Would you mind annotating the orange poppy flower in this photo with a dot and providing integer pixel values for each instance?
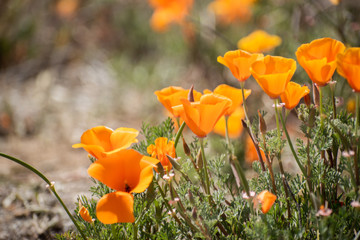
(125, 171)
(250, 151)
(202, 116)
(167, 12)
(273, 74)
(229, 11)
(161, 149)
(171, 96)
(267, 199)
(348, 66)
(239, 63)
(234, 124)
(259, 41)
(234, 94)
(66, 8)
(318, 59)
(293, 94)
(84, 213)
(100, 141)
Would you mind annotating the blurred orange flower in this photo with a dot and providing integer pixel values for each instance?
(101, 141)
(66, 8)
(239, 63)
(171, 96)
(234, 94)
(161, 149)
(293, 94)
(202, 116)
(348, 66)
(84, 213)
(259, 41)
(229, 11)
(267, 199)
(318, 59)
(250, 151)
(126, 171)
(335, 2)
(273, 74)
(167, 12)
(234, 124)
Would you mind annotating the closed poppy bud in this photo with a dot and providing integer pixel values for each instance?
(186, 148)
(239, 63)
(293, 94)
(318, 59)
(84, 213)
(307, 100)
(348, 66)
(259, 41)
(267, 199)
(262, 124)
(273, 74)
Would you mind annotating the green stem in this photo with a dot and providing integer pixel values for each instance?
(357, 150)
(231, 152)
(178, 134)
(242, 85)
(51, 187)
(332, 90)
(207, 182)
(321, 107)
(135, 231)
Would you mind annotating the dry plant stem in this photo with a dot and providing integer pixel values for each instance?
(51, 187)
(179, 133)
(269, 167)
(248, 128)
(279, 157)
(207, 182)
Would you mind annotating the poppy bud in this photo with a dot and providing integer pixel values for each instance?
(316, 95)
(191, 94)
(186, 148)
(262, 124)
(307, 100)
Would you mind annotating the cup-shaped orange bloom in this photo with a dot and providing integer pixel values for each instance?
(161, 149)
(259, 41)
(167, 12)
(171, 96)
(318, 59)
(293, 94)
(267, 199)
(126, 171)
(239, 63)
(348, 66)
(100, 141)
(250, 151)
(234, 94)
(273, 74)
(202, 116)
(234, 124)
(229, 11)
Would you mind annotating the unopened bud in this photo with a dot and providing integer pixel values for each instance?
(199, 159)
(191, 94)
(186, 148)
(191, 197)
(307, 100)
(262, 124)
(312, 114)
(194, 213)
(316, 95)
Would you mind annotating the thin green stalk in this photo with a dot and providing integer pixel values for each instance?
(135, 230)
(242, 85)
(230, 152)
(321, 107)
(207, 182)
(178, 134)
(332, 90)
(357, 150)
(51, 187)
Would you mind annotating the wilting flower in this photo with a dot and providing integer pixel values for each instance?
(161, 149)
(234, 94)
(239, 63)
(318, 59)
(234, 124)
(259, 41)
(171, 96)
(126, 171)
(325, 212)
(101, 141)
(228, 11)
(167, 12)
(202, 116)
(293, 94)
(348, 66)
(273, 74)
(84, 213)
(267, 199)
(250, 151)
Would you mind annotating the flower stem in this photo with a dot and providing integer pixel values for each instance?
(178, 134)
(51, 187)
(242, 85)
(230, 152)
(207, 182)
(321, 107)
(135, 231)
(357, 150)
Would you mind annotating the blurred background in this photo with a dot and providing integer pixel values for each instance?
(69, 65)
